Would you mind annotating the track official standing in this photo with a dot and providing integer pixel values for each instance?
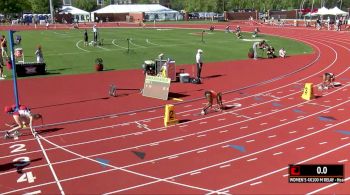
(199, 62)
(94, 30)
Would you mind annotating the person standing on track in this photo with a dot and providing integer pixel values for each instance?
(22, 117)
(199, 62)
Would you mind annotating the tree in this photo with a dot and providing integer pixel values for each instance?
(88, 5)
(42, 6)
(10, 7)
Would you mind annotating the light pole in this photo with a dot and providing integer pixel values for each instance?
(51, 11)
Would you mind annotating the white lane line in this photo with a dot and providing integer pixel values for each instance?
(151, 111)
(300, 148)
(131, 114)
(104, 48)
(178, 140)
(263, 124)
(341, 161)
(328, 125)
(277, 153)
(149, 42)
(252, 159)
(341, 109)
(344, 138)
(221, 119)
(113, 42)
(225, 146)
(186, 115)
(272, 136)
(250, 140)
(172, 157)
(154, 144)
(286, 175)
(201, 151)
(77, 45)
(291, 132)
(186, 106)
(195, 173)
(283, 119)
(224, 131)
(143, 126)
(141, 46)
(203, 122)
(310, 128)
(258, 113)
(183, 126)
(244, 127)
(322, 143)
(32, 193)
(138, 133)
(256, 183)
(203, 135)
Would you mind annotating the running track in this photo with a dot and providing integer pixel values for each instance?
(274, 127)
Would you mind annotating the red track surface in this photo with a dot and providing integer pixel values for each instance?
(274, 125)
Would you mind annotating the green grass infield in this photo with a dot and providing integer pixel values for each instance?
(64, 51)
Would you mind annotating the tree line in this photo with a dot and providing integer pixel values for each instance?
(218, 6)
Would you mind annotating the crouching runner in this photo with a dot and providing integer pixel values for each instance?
(22, 118)
(210, 96)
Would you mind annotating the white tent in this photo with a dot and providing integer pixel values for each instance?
(322, 11)
(78, 14)
(337, 11)
(152, 11)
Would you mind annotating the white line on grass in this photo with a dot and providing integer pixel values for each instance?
(77, 45)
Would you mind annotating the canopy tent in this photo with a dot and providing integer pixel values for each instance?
(152, 11)
(78, 14)
(320, 12)
(336, 11)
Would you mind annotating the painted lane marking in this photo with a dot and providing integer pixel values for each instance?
(256, 183)
(321, 143)
(272, 136)
(252, 159)
(341, 161)
(300, 148)
(195, 173)
(277, 153)
(250, 140)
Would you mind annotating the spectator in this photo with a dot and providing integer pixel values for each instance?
(282, 53)
(39, 55)
(4, 46)
(2, 76)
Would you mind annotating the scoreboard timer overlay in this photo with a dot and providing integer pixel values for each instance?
(274, 143)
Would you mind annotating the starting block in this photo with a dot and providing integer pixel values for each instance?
(308, 93)
(169, 115)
